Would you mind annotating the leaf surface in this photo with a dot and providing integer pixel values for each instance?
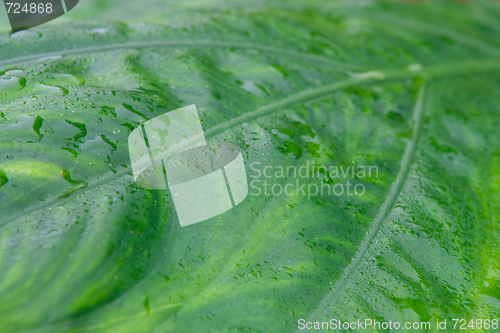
(342, 85)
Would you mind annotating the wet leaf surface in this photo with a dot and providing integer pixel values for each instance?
(343, 85)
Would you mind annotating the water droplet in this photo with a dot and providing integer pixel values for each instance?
(77, 185)
(37, 124)
(12, 72)
(3, 178)
(25, 35)
(50, 90)
(51, 57)
(99, 31)
(253, 88)
(12, 83)
(369, 75)
(63, 79)
(415, 67)
(145, 303)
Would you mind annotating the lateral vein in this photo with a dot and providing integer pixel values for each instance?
(386, 207)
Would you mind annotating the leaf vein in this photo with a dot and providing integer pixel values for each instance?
(173, 43)
(386, 207)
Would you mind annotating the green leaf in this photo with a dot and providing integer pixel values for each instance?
(408, 89)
